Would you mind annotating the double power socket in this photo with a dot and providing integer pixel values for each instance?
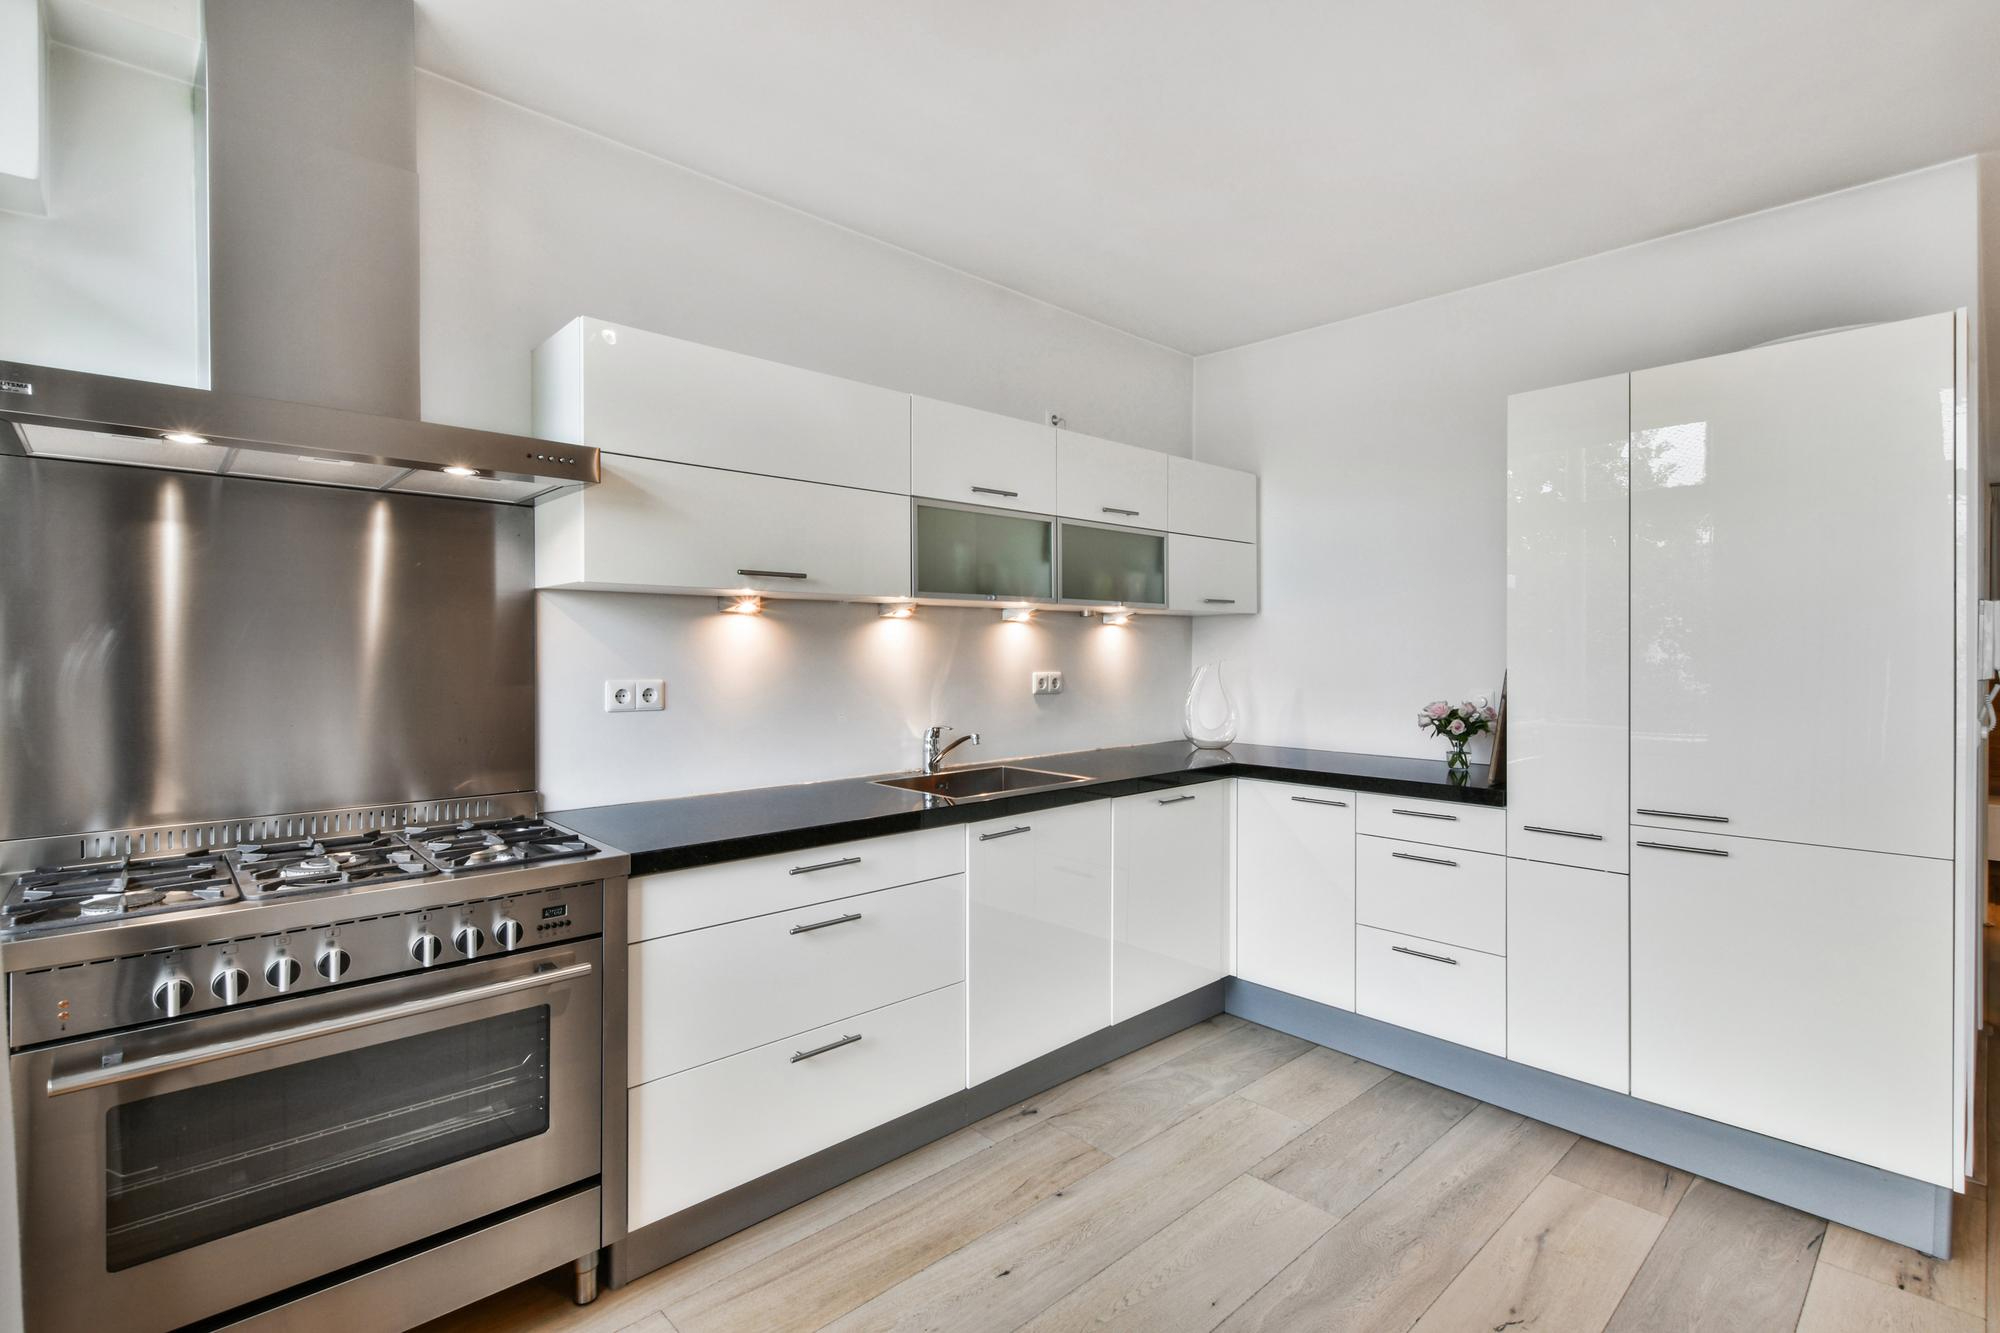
(635, 696)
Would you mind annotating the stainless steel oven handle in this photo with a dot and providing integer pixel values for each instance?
(147, 1066)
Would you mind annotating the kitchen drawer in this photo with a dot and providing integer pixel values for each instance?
(695, 1134)
(1476, 828)
(703, 994)
(1439, 893)
(1456, 994)
(678, 900)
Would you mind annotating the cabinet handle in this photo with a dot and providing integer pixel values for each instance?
(1315, 800)
(822, 1050)
(1422, 814)
(1174, 800)
(1007, 832)
(995, 490)
(1676, 847)
(1113, 509)
(822, 925)
(1680, 814)
(771, 574)
(826, 865)
(1419, 953)
(1561, 832)
(1427, 860)
(1219, 601)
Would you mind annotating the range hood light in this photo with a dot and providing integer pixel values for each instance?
(456, 470)
(329, 462)
(184, 437)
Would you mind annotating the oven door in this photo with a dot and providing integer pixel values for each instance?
(180, 1170)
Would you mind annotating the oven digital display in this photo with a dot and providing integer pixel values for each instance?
(551, 913)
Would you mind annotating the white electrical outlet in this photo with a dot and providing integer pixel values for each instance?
(1045, 682)
(621, 696)
(652, 695)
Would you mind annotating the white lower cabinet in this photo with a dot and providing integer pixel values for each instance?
(1171, 907)
(1038, 939)
(695, 1134)
(1295, 890)
(1800, 992)
(1456, 994)
(1568, 972)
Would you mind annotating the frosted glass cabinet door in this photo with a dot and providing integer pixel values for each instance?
(1792, 590)
(1108, 566)
(1568, 523)
(974, 553)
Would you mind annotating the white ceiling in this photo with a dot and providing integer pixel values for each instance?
(1207, 174)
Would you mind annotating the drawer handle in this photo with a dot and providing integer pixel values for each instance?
(1422, 814)
(771, 574)
(1561, 832)
(822, 1050)
(995, 490)
(1419, 953)
(1676, 847)
(1113, 509)
(1007, 832)
(822, 925)
(1681, 814)
(1173, 800)
(1219, 601)
(1315, 800)
(1427, 860)
(825, 865)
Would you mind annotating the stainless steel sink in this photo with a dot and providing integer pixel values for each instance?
(962, 784)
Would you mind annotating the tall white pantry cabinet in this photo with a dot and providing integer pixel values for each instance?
(1737, 740)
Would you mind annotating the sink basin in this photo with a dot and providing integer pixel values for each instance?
(972, 783)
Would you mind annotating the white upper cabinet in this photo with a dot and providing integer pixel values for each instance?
(1170, 908)
(1101, 481)
(972, 457)
(1295, 890)
(667, 527)
(627, 391)
(1568, 527)
(1792, 590)
(1207, 577)
(1204, 500)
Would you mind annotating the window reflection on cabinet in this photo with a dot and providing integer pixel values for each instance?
(970, 552)
(1113, 565)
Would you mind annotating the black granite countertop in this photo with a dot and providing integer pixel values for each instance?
(727, 826)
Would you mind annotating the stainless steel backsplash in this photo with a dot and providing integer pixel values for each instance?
(179, 646)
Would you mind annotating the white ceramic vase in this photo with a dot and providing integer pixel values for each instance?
(1209, 718)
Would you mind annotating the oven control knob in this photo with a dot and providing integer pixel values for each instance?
(229, 984)
(469, 940)
(172, 995)
(333, 964)
(283, 973)
(426, 948)
(507, 933)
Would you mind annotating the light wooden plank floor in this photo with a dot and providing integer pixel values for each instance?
(1231, 1177)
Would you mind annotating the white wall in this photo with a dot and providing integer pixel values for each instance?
(106, 281)
(1381, 440)
(526, 223)
(814, 690)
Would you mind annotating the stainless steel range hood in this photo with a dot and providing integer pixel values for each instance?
(52, 413)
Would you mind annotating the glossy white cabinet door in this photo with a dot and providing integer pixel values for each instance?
(1101, 481)
(1568, 650)
(1170, 911)
(973, 457)
(1209, 577)
(1295, 890)
(1567, 972)
(1204, 500)
(632, 392)
(1445, 990)
(1792, 590)
(1038, 938)
(666, 527)
(1800, 992)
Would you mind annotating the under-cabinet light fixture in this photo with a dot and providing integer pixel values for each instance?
(1117, 615)
(1019, 615)
(897, 611)
(746, 605)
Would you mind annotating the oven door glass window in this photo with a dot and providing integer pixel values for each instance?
(189, 1167)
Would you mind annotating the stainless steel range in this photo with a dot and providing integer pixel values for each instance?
(317, 1069)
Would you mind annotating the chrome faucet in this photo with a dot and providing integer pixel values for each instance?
(933, 755)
